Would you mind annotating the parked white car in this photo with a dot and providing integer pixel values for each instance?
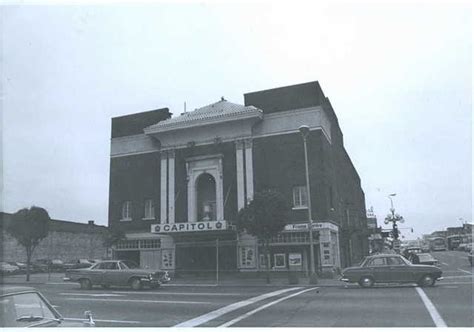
(6, 268)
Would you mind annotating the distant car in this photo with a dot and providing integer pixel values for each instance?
(21, 266)
(6, 268)
(425, 247)
(411, 250)
(26, 307)
(424, 259)
(77, 264)
(49, 265)
(390, 268)
(117, 273)
(462, 247)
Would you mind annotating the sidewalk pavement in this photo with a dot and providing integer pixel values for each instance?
(228, 280)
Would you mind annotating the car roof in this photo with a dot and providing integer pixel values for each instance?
(384, 255)
(7, 290)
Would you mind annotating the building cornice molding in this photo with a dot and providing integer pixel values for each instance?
(206, 121)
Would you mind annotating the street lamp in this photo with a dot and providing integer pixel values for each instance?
(393, 218)
(304, 130)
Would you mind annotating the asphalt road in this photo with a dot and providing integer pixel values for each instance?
(448, 303)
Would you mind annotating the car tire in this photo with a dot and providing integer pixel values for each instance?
(155, 286)
(85, 284)
(366, 282)
(427, 281)
(105, 286)
(136, 284)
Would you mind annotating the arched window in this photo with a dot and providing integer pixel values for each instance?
(206, 197)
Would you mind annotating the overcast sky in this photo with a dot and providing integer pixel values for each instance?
(398, 76)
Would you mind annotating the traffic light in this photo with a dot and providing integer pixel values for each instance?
(395, 231)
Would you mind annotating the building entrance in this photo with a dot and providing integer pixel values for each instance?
(200, 257)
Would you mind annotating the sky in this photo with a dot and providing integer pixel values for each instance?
(398, 75)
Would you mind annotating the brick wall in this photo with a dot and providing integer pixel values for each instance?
(57, 245)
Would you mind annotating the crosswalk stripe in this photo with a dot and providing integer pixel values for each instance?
(234, 306)
(250, 313)
(435, 316)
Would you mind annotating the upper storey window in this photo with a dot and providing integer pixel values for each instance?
(300, 197)
(149, 209)
(126, 211)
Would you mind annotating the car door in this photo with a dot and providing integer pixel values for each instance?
(96, 273)
(398, 270)
(112, 274)
(378, 268)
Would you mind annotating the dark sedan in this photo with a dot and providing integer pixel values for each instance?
(424, 259)
(390, 268)
(117, 273)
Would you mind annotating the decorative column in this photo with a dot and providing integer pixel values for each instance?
(239, 155)
(164, 188)
(249, 169)
(171, 214)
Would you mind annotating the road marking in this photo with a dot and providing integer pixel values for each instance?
(136, 301)
(435, 316)
(465, 271)
(89, 294)
(457, 277)
(180, 293)
(250, 313)
(189, 285)
(61, 283)
(231, 307)
(444, 263)
(106, 320)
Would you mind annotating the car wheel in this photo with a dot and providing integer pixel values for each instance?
(426, 281)
(366, 282)
(136, 284)
(105, 286)
(85, 284)
(155, 286)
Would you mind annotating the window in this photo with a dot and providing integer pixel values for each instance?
(394, 261)
(377, 262)
(300, 197)
(280, 260)
(127, 210)
(149, 209)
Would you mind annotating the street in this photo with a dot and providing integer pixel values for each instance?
(448, 303)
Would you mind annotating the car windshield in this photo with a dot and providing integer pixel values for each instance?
(425, 257)
(20, 310)
(405, 260)
(362, 262)
(129, 265)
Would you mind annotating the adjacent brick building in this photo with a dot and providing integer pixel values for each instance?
(177, 183)
(66, 241)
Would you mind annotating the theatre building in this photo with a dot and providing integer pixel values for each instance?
(177, 184)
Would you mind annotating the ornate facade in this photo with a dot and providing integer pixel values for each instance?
(179, 182)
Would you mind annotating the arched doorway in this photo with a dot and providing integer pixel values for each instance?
(206, 197)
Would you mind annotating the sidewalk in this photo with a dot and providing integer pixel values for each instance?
(228, 280)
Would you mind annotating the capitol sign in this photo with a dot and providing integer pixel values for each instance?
(201, 226)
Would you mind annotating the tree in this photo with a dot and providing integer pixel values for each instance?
(113, 235)
(264, 217)
(29, 227)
